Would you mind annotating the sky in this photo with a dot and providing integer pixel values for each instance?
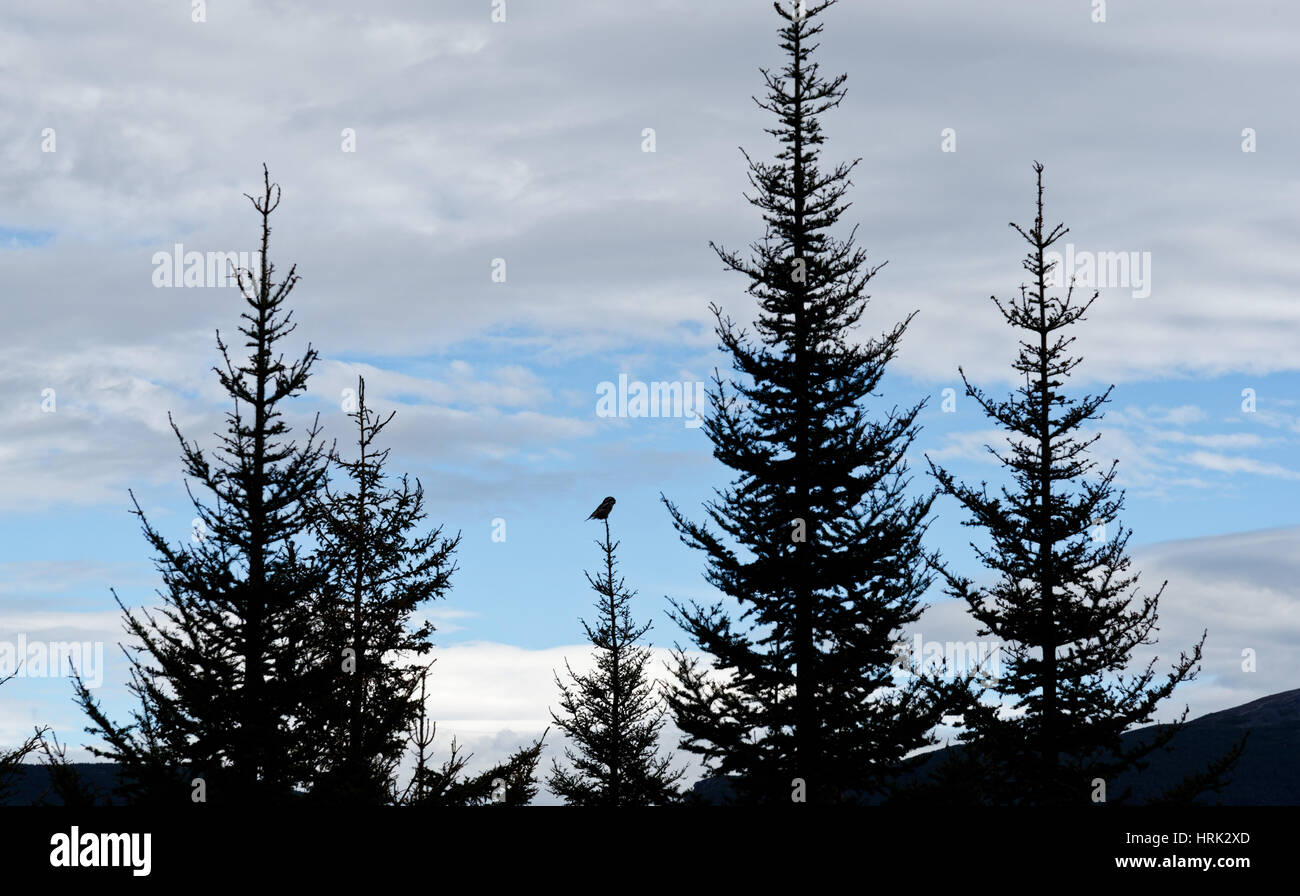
(482, 234)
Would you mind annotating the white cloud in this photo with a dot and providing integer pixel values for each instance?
(1223, 463)
(1143, 440)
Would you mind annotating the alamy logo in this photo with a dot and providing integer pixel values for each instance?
(657, 399)
(203, 269)
(1101, 270)
(88, 850)
(951, 659)
(53, 659)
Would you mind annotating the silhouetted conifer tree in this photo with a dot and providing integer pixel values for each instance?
(380, 572)
(1064, 603)
(219, 668)
(612, 715)
(816, 539)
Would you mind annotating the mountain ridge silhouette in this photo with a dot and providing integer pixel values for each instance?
(1266, 775)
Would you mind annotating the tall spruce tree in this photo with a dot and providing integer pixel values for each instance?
(612, 715)
(817, 540)
(220, 668)
(381, 571)
(1063, 602)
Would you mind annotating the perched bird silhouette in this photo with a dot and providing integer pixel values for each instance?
(602, 512)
